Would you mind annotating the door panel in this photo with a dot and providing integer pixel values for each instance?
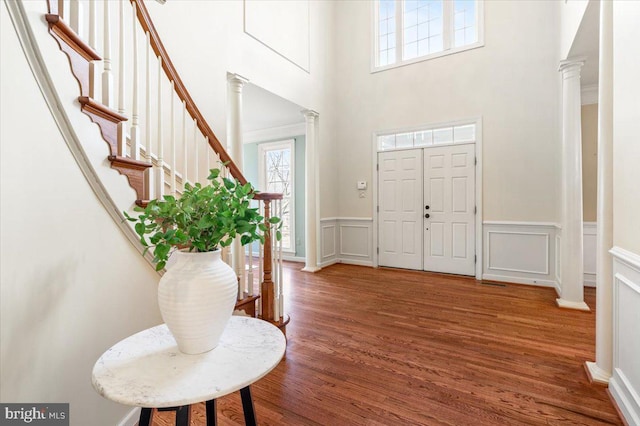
(400, 216)
(449, 191)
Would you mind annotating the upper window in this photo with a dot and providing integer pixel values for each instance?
(409, 31)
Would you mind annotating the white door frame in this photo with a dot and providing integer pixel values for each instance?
(478, 154)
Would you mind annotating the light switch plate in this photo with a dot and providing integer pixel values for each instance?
(362, 184)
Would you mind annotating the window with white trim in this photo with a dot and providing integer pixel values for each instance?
(408, 31)
(442, 135)
(276, 169)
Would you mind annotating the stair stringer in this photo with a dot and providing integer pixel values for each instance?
(82, 136)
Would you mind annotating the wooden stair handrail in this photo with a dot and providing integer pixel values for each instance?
(182, 92)
(267, 196)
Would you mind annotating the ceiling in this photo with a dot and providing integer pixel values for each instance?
(586, 44)
(262, 109)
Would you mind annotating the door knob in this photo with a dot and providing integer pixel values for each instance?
(427, 215)
(426, 207)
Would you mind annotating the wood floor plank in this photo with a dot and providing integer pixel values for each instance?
(390, 347)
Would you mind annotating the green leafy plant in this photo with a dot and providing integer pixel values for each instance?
(203, 219)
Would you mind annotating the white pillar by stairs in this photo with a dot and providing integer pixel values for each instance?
(234, 144)
(311, 247)
(571, 246)
(600, 371)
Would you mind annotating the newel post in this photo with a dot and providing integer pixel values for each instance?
(267, 283)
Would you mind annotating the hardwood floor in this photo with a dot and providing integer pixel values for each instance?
(388, 347)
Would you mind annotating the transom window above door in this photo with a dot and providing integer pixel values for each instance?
(408, 31)
(441, 135)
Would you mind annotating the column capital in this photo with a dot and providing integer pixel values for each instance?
(573, 64)
(237, 79)
(309, 114)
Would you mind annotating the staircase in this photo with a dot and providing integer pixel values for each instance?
(165, 143)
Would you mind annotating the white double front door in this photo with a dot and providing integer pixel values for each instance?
(426, 218)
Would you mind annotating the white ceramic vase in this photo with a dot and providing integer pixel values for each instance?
(196, 297)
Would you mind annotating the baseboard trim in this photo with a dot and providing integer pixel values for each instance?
(356, 262)
(131, 419)
(624, 398)
(519, 280)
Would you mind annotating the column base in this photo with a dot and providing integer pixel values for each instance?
(311, 269)
(578, 306)
(596, 374)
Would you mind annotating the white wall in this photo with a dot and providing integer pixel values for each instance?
(72, 284)
(625, 383)
(512, 82)
(571, 14)
(222, 46)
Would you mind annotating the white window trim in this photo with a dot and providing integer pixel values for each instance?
(446, 36)
(290, 144)
(431, 126)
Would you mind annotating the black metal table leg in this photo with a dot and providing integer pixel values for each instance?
(145, 417)
(211, 413)
(183, 415)
(247, 407)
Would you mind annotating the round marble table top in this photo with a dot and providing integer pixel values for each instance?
(148, 370)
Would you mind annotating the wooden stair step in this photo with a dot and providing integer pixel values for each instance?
(247, 304)
(80, 53)
(106, 118)
(133, 170)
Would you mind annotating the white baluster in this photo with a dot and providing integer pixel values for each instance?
(195, 150)
(260, 260)
(185, 152)
(107, 76)
(75, 16)
(250, 271)
(93, 37)
(61, 12)
(159, 172)
(280, 272)
(172, 121)
(122, 126)
(135, 131)
(147, 120)
(274, 265)
(208, 155)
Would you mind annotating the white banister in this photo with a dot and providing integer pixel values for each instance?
(122, 126)
(107, 75)
(93, 40)
(159, 168)
(260, 262)
(147, 120)
(75, 16)
(280, 271)
(195, 151)
(172, 126)
(93, 24)
(185, 152)
(135, 131)
(208, 156)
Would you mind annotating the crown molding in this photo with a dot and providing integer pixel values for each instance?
(589, 94)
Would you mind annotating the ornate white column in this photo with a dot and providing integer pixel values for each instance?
(600, 371)
(311, 223)
(571, 246)
(235, 83)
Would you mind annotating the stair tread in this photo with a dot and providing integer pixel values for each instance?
(72, 38)
(129, 161)
(100, 109)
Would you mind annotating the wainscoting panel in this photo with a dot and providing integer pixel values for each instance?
(520, 252)
(589, 238)
(356, 240)
(624, 385)
(328, 242)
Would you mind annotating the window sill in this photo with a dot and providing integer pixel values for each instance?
(376, 69)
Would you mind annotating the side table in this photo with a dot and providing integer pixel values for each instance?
(147, 370)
